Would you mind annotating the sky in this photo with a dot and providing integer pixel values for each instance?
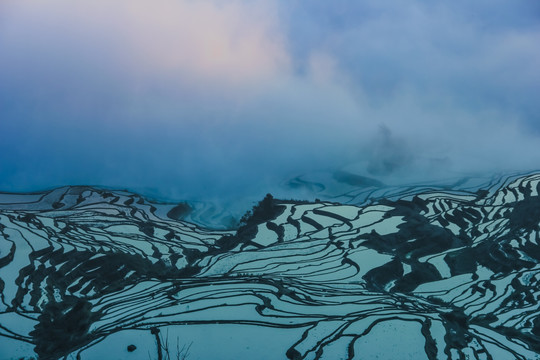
(203, 99)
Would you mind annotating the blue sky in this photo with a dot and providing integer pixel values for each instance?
(199, 99)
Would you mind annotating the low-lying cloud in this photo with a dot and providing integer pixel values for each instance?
(207, 98)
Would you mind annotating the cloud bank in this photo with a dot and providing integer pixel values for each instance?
(204, 98)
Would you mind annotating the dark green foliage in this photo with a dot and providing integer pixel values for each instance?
(457, 325)
(279, 230)
(108, 273)
(536, 328)
(63, 327)
(462, 261)
(526, 214)
(420, 273)
(377, 278)
(266, 210)
(179, 211)
(485, 319)
(430, 346)
(532, 339)
(147, 228)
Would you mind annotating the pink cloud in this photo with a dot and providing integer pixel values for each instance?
(219, 41)
(233, 41)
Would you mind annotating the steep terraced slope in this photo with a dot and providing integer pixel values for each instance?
(431, 275)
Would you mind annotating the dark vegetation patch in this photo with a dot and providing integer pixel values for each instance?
(376, 279)
(462, 261)
(457, 334)
(65, 319)
(180, 211)
(416, 238)
(266, 210)
(104, 274)
(421, 273)
(531, 339)
(525, 214)
(63, 327)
